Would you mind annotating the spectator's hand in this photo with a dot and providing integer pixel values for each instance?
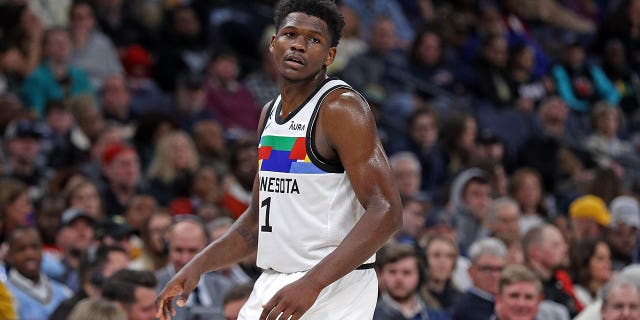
(292, 301)
(181, 286)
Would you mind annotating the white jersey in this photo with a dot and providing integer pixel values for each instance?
(307, 204)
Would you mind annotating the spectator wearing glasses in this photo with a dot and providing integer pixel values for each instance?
(488, 257)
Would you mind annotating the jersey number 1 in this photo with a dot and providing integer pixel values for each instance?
(266, 203)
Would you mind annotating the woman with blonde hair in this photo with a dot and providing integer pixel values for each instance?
(174, 162)
(97, 309)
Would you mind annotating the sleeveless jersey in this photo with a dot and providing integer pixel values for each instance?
(307, 204)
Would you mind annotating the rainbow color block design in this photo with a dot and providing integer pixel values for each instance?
(285, 154)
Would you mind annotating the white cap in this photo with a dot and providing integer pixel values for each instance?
(625, 209)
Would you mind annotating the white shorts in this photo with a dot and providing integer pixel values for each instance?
(352, 297)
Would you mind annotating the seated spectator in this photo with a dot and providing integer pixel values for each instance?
(15, 206)
(399, 268)
(191, 102)
(23, 143)
(97, 309)
(115, 99)
(503, 219)
(580, 82)
(590, 268)
(528, 192)
(414, 217)
(438, 288)
(407, 172)
(174, 163)
(615, 65)
(529, 91)
(55, 78)
(488, 258)
(209, 138)
(36, 295)
(469, 201)
(620, 299)
(146, 96)
(153, 255)
(459, 135)
(22, 36)
(186, 237)
(228, 98)
(93, 52)
(121, 169)
(84, 195)
(262, 81)
(589, 216)
(138, 212)
(92, 272)
(520, 294)
(492, 82)
(237, 187)
(546, 254)
(134, 292)
(622, 234)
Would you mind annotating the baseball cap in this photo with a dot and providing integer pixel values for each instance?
(590, 207)
(22, 129)
(115, 227)
(72, 214)
(626, 210)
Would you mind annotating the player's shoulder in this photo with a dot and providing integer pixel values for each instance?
(345, 99)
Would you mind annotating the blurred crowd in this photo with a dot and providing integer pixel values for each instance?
(128, 133)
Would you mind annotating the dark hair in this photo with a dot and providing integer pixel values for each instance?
(121, 286)
(581, 253)
(238, 292)
(414, 55)
(325, 10)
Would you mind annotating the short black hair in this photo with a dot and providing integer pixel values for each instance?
(325, 10)
(121, 286)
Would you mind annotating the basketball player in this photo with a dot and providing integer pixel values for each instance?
(323, 199)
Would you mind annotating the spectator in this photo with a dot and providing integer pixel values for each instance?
(186, 237)
(262, 81)
(97, 309)
(92, 272)
(174, 163)
(438, 288)
(146, 96)
(75, 237)
(23, 33)
(36, 295)
(15, 206)
(459, 135)
(579, 82)
(615, 65)
(527, 191)
(23, 147)
(399, 269)
(228, 98)
(237, 188)
(519, 295)
(138, 212)
(546, 254)
(209, 138)
(591, 268)
(621, 298)
(503, 219)
(119, 24)
(488, 258)
(153, 255)
(622, 235)
(84, 195)
(133, 291)
(407, 172)
(191, 102)
(414, 217)
(55, 78)
(469, 202)
(589, 216)
(235, 299)
(93, 52)
(206, 188)
(115, 99)
(121, 168)
(492, 81)
(528, 90)
(184, 48)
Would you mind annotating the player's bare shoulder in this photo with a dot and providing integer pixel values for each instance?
(346, 105)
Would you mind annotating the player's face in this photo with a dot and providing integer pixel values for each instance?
(401, 278)
(301, 48)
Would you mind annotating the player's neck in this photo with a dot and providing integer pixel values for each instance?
(294, 93)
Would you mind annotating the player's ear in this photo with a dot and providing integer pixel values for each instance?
(272, 43)
(328, 60)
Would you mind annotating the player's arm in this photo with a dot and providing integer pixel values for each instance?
(347, 127)
(239, 242)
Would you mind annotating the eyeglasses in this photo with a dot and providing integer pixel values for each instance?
(490, 269)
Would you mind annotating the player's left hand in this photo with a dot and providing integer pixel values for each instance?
(292, 301)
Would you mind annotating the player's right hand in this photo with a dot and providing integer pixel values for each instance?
(181, 286)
